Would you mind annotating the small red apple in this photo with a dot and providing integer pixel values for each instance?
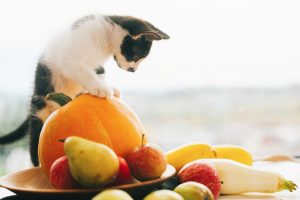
(202, 173)
(123, 175)
(147, 162)
(60, 175)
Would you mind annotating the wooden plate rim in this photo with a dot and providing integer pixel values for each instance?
(169, 172)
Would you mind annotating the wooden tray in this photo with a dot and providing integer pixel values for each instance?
(34, 183)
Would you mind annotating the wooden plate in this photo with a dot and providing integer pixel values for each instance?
(34, 183)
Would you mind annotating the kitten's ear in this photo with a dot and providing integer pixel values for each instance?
(159, 32)
(138, 28)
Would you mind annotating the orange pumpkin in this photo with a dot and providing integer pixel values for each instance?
(107, 121)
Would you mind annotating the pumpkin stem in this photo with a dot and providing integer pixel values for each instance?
(59, 98)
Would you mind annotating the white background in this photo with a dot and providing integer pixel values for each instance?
(222, 43)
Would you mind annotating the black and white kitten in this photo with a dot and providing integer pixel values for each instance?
(73, 62)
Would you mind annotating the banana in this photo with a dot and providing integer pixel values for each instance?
(235, 153)
(237, 178)
(184, 154)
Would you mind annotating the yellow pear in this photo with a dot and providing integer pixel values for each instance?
(91, 164)
(194, 191)
(112, 194)
(163, 195)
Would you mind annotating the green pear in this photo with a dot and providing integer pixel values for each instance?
(194, 191)
(163, 195)
(91, 164)
(112, 194)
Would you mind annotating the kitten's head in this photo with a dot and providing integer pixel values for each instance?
(136, 45)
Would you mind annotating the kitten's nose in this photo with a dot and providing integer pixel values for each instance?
(131, 69)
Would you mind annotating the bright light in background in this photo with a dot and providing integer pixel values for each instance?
(219, 43)
(215, 43)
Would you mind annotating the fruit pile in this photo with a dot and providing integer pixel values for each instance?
(112, 152)
(206, 179)
(88, 164)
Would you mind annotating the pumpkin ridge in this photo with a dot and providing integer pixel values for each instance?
(100, 124)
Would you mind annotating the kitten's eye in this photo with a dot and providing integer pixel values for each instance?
(136, 58)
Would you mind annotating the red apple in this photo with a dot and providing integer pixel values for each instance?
(60, 174)
(202, 173)
(147, 162)
(123, 175)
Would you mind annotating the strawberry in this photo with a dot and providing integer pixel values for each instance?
(202, 173)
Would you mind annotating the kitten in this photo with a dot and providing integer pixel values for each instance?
(73, 62)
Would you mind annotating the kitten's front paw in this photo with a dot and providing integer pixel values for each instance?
(102, 91)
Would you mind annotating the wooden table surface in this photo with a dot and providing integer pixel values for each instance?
(289, 168)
